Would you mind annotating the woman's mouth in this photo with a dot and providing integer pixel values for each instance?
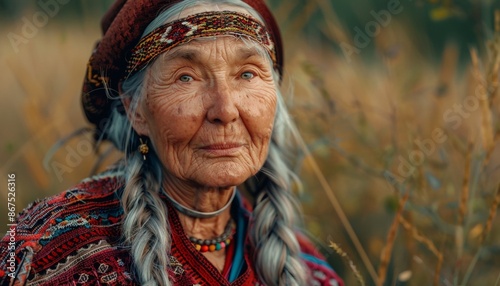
(223, 149)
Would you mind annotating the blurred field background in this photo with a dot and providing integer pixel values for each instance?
(402, 127)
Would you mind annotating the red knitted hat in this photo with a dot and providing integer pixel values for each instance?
(122, 27)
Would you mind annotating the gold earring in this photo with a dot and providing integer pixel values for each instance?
(143, 149)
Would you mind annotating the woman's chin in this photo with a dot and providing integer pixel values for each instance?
(221, 178)
(214, 182)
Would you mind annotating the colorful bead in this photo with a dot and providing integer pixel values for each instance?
(217, 243)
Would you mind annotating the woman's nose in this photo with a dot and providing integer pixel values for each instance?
(222, 108)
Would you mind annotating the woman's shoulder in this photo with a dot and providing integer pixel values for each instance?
(52, 229)
(321, 271)
(77, 201)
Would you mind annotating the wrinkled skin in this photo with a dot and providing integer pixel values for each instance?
(209, 110)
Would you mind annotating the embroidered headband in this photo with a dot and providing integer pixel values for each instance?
(207, 24)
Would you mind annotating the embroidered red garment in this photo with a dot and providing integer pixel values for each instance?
(75, 238)
(229, 257)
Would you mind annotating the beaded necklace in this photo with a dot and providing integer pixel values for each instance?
(217, 243)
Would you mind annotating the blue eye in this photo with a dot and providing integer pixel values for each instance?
(185, 78)
(247, 75)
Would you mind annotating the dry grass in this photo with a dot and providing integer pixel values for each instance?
(428, 243)
(351, 264)
(491, 216)
(363, 123)
(386, 254)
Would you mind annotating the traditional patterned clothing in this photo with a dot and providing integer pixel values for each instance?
(74, 238)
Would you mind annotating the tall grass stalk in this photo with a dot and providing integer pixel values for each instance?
(338, 210)
(386, 254)
(418, 236)
(484, 234)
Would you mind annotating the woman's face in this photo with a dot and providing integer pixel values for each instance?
(208, 110)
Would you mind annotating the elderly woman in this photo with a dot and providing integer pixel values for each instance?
(188, 90)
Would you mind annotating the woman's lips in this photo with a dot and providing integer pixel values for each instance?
(223, 149)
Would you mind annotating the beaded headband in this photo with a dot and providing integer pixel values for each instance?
(207, 24)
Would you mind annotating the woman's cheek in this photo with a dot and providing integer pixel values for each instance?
(177, 119)
(262, 107)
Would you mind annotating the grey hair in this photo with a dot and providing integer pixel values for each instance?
(145, 226)
(276, 213)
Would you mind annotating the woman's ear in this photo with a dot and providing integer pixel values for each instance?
(135, 114)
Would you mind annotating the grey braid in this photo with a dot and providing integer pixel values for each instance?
(277, 251)
(145, 225)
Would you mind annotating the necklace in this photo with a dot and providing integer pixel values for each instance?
(193, 213)
(217, 243)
